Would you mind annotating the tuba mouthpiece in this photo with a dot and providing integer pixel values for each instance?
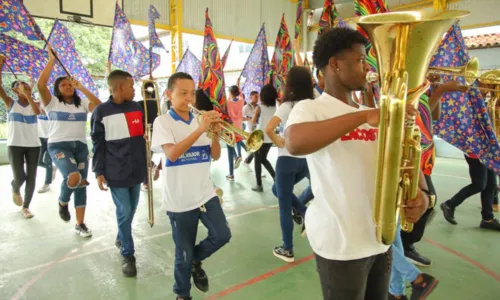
(371, 77)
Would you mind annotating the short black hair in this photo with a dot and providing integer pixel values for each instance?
(268, 95)
(234, 90)
(202, 101)
(299, 85)
(16, 83)
(177, 76)
(118, 74)
(253, 93)
(333, 42)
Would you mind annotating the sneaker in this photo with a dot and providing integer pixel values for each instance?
(237, 163)
(493, 224)
(422, 290)
(297, 218)
(258, 188)
(230, 177)
(286, 255)
(188, 298)
(391, 297)
(18, 200)
(45, 188)
(82, 230)
(416, 258)
(449, 213)
(128, 267)
(200, 278)
(303, 232)
(64, 213)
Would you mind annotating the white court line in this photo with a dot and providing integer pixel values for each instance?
(72, 257)
(452, 176)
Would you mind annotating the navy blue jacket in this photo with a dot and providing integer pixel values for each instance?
(119, 145)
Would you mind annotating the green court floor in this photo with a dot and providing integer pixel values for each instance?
(42, 259)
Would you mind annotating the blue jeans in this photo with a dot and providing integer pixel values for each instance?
(402, 268)
(184, 231)
(126, 200)
(290, 171)
(232, 155)
(45, 161)
(71, 157)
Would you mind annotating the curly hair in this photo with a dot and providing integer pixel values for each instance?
(333, 42)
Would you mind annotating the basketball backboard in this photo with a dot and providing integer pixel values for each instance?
(98, 12)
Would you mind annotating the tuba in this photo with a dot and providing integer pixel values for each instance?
(150, 93)
(404, 43)
(493, 78)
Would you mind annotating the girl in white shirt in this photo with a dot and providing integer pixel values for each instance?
(22, 142)
(290, 169)
(264, 113)
(67, 143)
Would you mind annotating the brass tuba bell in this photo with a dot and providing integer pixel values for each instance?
(404, 43)
(493, 78)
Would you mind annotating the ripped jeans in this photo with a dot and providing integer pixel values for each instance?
(71, 157)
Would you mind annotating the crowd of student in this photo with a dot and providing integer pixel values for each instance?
(315, 127)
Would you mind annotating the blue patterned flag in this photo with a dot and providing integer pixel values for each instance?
(341, 23)
(26, 59)
(63, 44)
(257, 66)
(464, 122)
(15, 16)
(126, 52)
(154, 40)
(191, 65)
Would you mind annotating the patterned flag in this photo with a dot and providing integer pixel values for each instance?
(328, 16)
(191, 65)
(226, 55)
(126, 52)
(62, 43)
(282, 60)
(341, 23)
(154, 40)
(257, 66)
(464, 122)
(15, 16)
(27, 59)
(212, 77)
(298, 19)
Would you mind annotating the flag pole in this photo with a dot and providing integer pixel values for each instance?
(12, 71)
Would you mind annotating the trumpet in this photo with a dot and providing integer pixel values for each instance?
(150, 92)
(469, 71)
(254, 140)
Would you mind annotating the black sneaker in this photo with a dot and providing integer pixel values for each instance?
(82, 230)
(64, 213)
(449, 213)
(297, 218)
(422, 290)
(391, 297)
(128, 266)
(416, 258)
(493, 224)
(286, 255)
(200, 278)
(258, 188)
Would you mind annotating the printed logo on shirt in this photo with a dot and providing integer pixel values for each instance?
(195, 155)
(134, 123)
(361, 135)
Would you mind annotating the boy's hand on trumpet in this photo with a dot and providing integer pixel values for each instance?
(208, 119)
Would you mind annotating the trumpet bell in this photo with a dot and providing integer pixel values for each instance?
(255, 140)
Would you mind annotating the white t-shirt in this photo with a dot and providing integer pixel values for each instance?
(339, 222)
(67, 122)
(317, 92)
(266, 114)
(22, 126)
(43, 126)
(248, 112)
(187, 184)
(282, 113)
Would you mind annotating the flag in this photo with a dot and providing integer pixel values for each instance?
(328, 16)
(126, 52)
(257, 65)
(191, 65)
(14, 16)
(298, 19)
(154, 41)
(226, 54)
(63, 44)
(212, 76)
(282, 60)
(341, 23)
(464, 122)
(26, 59)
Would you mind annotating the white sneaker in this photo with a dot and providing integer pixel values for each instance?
(45, 188)
(82, 230)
